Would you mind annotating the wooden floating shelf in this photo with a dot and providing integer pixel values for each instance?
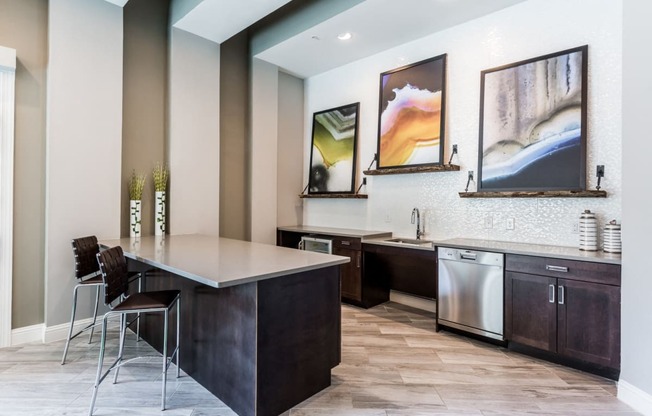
(535, 194)
(412, 169)
(335, 196)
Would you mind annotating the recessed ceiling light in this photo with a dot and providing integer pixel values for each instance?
(344, 36)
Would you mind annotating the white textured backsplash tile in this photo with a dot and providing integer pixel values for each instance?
(497, 39)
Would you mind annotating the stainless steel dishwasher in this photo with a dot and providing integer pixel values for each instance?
(470, 291)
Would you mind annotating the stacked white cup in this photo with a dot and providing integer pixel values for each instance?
(612, 238)
(588, 231)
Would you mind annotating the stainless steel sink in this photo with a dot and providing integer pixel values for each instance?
(409, 241)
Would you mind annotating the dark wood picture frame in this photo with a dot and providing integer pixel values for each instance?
(428, 74)
(342, 120)
(545, 151)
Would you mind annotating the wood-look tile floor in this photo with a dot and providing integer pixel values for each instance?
(393, 364)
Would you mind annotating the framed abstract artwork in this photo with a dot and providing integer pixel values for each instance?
(411, 114)
(333, 150)
(533, 124)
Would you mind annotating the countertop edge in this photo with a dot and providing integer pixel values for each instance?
(362, 234)
(379, 242)
(535, 253)
(376, 237)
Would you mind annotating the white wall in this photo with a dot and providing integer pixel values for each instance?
(635, 386)
(193, 134)
(520, 32)
(84, 136)
(263, 164)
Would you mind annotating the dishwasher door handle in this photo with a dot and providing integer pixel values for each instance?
(469, 256)
(551, 293)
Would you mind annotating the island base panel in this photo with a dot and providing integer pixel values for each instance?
(260, 347)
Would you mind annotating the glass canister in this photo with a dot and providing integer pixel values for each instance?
(612, 238)
(588, 231)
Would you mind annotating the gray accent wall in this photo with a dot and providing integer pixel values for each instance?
(193, 139)
(637, 221)
(234, 146)
(290, 180)
(24, 27)
(143, 101)
(84, 140)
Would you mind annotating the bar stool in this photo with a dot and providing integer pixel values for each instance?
(87, 272)
(113, 267)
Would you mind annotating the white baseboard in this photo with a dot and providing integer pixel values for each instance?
(635, 397)
(59, 332)
(32, 333)
(413, 301)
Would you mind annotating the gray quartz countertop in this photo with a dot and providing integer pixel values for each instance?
(539, 250)
(221, 262)
(339, 232)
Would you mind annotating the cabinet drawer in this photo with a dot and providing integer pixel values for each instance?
(347, 242)
(568, 269)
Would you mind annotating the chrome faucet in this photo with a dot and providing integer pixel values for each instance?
(415, 213)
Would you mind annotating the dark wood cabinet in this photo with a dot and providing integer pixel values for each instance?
(351, 274)
(409, 270)
(589, 322)
(358, 288)
(529, 318)
(568, 308)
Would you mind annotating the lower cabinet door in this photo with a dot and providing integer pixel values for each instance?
(589, 322)
(351, 274)
(531, 310)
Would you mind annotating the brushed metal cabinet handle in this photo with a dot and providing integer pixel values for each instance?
(561, 295)
(358, 258)
(560, 269)
(345, 243)
(551, 293)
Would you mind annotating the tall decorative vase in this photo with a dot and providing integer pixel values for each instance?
(588, 231)
(135, 212)
(159, 224)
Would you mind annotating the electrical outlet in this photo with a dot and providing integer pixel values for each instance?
(454, 148)
(488, 222)
(510, 224)
(576, 228)
(388, 217)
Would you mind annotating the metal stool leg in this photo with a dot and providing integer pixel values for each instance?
(97, 302)
(99, 364)
(178, 332)
(165, 358)
(72, 323)
(140, 289)
(123, 335)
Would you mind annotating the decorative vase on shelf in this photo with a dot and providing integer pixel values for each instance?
(135, 212)
(160, 175)
(159, 225)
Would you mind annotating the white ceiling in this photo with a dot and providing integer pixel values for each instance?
(218, 20)
(376, 25)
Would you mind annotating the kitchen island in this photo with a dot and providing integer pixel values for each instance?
(260, 325)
